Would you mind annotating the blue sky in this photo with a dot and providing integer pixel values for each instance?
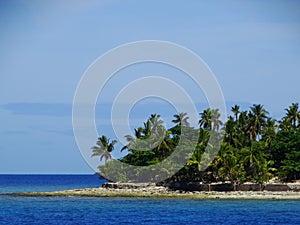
(253, 48)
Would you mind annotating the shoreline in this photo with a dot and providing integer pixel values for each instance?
(161, 193)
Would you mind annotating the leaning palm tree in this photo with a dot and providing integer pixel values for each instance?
(103, 148)
(181, 119)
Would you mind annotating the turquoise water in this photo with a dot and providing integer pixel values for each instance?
(75, 210)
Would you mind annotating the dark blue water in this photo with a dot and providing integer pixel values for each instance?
(25, 183)
(76, 210)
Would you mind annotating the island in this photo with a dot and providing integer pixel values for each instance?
(250, 156)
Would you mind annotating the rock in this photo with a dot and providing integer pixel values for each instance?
(294, 186)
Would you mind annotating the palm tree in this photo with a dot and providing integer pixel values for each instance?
(235, 110)
(269, 133)
(160, 142)
(155, 122)
(103, 148)
(255, 162)
(181, 119)
(228, 166)
(242, 126)
(138, 132)
(293, 114)
(284, 124)
(196, 158)
(242, 122)
(131, 143)
(210, 119)
(148, 137)
(147, 128)
(231, 132)
(204, 136)
(205, 120)
(251, 158)
(215, 119)
(257, 120)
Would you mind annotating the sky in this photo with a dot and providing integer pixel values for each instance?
(252, 47)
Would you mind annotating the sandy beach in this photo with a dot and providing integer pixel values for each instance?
(163, 192)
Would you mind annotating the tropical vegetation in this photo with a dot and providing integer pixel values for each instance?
(252, 146)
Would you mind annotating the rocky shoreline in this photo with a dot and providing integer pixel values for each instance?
(153, 191)
(218, 187)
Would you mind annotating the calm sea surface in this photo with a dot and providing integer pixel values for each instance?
(75, 210)
(24, 183)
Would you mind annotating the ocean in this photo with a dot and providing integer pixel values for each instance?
(89, 210)
(26, 183)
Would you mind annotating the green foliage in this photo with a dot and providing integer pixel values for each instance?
(255, 147)
(110, 169)
(286, 151)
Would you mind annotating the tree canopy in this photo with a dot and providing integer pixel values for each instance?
(255, 147)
